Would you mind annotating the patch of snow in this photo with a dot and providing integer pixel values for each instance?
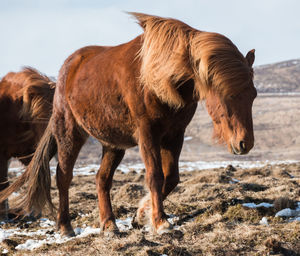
(83, 232)
(293, 215)
(4, 251)
(125, 168)
(4, 234)
(80, 232)
(287, 212)
(201, 165)
(233, 181)
(45, 223)
(188, 138)
(264, 221)
(124, 225)
(253, 205)
(31, 244)
(276, 94)
(173, 219)
(91, 169)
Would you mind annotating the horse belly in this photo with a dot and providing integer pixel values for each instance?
(110, 123)
(108, 132)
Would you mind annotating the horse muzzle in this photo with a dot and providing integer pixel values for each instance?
(242, 148)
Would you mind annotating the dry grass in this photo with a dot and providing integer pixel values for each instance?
(211, 216)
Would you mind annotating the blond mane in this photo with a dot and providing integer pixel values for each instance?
(173, 52)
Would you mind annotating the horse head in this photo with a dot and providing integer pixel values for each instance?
(232, 116)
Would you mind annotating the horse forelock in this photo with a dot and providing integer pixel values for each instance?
(172, 52)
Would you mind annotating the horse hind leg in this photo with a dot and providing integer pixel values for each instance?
(111, 158)
(3, 185)
(70, 139)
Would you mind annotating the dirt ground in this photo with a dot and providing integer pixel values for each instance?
(210, 217)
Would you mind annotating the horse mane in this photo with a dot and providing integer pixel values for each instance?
(36, 94)
(172, 52)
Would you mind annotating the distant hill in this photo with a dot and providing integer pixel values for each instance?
(278, 77)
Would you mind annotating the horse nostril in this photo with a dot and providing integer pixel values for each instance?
(242, 145)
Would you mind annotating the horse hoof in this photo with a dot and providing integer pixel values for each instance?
(110, 229)
(69, 232)
(165, 227)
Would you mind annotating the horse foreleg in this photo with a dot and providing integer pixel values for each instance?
(150, 150)
(170, 151)
(3, 185)
(110, 161)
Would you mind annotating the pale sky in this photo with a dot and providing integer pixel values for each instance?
(43, 33)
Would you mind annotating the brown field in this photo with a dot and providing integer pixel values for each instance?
(210, 218)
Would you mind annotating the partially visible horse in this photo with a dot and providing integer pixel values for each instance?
(144, 92)
(25, 108)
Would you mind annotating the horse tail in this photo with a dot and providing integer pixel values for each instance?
(37, 177)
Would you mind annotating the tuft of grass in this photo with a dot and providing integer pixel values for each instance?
(284, 202)
(238, 213)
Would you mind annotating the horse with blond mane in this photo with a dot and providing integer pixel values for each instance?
(25, 108)
(144, 92)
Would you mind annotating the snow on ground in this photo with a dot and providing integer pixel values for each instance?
(293, 215)
(290, 214)
(264, 221)
(253, 205)
(201, 165)
(54, 237)
(186, 166)
(49, 237)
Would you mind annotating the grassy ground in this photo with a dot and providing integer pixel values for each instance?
(211, 219)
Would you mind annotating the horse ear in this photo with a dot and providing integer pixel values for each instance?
(250, 57)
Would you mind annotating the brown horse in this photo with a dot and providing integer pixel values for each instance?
(25, 108)
(144, 92)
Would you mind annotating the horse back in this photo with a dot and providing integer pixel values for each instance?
(101, 87)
